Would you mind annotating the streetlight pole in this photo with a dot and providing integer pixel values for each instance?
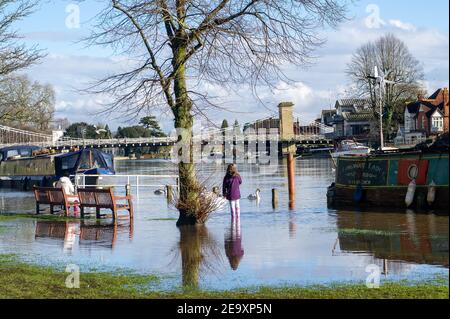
(380, 79)
(381, 118)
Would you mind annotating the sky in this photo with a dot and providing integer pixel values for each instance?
(70, 66)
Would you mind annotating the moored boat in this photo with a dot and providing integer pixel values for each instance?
(349, 147)
(24, 166)
(383, 180)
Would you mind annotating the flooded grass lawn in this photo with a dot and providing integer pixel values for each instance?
(311, 252)
(21, 280)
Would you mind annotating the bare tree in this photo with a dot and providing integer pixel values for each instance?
(13, 55)
(176, 46)
(391, 56)
(26, 104)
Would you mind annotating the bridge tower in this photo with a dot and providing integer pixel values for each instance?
(288, 146)
(286, 111)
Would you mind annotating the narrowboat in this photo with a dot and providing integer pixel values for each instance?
(383, 181)
(23, 166)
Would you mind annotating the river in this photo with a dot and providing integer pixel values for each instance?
(308, 245)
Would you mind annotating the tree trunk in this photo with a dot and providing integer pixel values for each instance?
(184, 120)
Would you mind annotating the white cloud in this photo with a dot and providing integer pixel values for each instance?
(402, 25)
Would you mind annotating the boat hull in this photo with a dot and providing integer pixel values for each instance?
(389, 198)
(381, 181)
(358, 152)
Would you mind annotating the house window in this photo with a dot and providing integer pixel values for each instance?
(437, 124)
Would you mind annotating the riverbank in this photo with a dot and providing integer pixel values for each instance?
(22, 280)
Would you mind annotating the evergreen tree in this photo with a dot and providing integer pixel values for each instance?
(224, 124)
(81, 130)
(150, 123)
(108, 133)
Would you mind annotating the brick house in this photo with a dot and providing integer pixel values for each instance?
(428, 116)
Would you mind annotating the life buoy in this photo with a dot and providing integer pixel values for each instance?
(409, 198)
(431, 196)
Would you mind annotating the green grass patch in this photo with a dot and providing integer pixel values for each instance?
(356, 231)
(22, 280)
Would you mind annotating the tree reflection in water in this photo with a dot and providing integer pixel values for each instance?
(199, 253)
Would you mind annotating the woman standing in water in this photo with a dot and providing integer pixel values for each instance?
(231, 190)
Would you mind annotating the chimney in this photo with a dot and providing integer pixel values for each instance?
(445, 94)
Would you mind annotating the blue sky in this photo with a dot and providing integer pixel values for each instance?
(423, 25)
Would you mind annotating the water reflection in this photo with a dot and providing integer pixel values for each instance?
(64, 232)
(292, 225)
(199, 253)
(87, 233)
(421, 239)
(233, 244)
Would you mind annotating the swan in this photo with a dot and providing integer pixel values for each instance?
(255, 196)
(159, 192)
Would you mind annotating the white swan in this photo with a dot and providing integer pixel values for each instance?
(255, 196)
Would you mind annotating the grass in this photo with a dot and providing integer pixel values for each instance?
(21, 280)
(355, 231)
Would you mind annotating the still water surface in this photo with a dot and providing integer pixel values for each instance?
(310, 245)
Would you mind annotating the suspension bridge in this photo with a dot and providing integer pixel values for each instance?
(266, 129)
(11, 136)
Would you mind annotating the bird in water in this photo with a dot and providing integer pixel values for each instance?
(159, 192)
(255, 196)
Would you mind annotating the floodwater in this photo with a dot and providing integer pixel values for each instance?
(309, 245)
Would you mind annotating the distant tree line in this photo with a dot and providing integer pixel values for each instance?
(148, 127)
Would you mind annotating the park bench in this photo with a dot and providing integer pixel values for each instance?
(54, 196)
(104, 198)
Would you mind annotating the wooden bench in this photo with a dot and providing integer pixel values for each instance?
(104, 198)
(54, 196)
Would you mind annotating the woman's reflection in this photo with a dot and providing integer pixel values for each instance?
(233, 244)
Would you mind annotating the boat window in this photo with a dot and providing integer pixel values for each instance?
(12, 153)
(25, 152)
(69, 162)
(1, 157)
(85, 161)
(109, 160)
(97, 160)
